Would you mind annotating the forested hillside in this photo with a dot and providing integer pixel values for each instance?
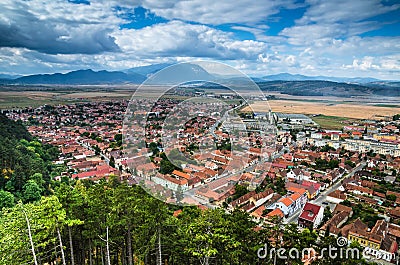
(26, 167)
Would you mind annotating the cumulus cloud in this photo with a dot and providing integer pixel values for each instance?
(213, 12)
(177, 38)
(329, 12)
(57, 26)
(336, 19)
(367, 63)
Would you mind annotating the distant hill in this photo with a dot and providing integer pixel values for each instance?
(328, 88)
(6, 76)
(80, 77)
(175, 74)
(148, 69)
(297, 77)
(179, 73)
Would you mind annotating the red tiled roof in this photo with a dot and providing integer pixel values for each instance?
(180, 174)
(276, 212)
(286, 201)
(310, 212)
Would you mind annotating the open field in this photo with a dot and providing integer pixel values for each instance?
(330, 122)
(355, 111)
(95, 95)
(23, 99)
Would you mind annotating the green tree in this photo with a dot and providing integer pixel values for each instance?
(391, 197)
(209, 236)
(240, 190)
(31, 191)
(6, 199)
(166, 167)
(73, 201)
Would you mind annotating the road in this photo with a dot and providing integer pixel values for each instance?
(322, 197)
(223, 119)
(91, 148)
(337, 184)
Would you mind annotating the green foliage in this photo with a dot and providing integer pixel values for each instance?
(13, 130)
(391, 197)
(240, 190)
(154, 148)
(327, 148)
(118, 137)
(327, 214)
(6, 199)
(31, 191)
(322, 164)
(366, 214)
(178, 157)
(346, 203)
(24, 159)
(166, 167)
(350, 163)
(137, 223)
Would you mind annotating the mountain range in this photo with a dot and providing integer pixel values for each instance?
(177, 74)
(181, 73)
(185, 71)
(297, 77)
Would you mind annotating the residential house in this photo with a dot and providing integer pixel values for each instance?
(311, 216)
(377, 242)
(336, 196)
(292, 203)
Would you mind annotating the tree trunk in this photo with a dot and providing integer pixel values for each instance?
(90, 252)
(30, 238)
(159, 247)
(102, 255)
(61, 246)
(82, 250)
(129, 241)
(71, 246)
(123, 255)
(108, 250)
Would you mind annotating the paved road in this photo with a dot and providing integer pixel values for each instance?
(322, 197)
(90, 148)
(223, 119)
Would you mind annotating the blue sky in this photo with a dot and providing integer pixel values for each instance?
(311, 37)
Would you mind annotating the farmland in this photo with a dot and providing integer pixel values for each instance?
(335, 109)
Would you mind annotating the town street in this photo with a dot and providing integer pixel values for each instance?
(322, 197)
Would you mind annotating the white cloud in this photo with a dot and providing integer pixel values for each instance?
(368, 63)
(344, 11)
(56, 26)
(177, 38)
(215, 12)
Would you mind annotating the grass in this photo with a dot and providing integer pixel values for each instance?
(330, 122)
(22, 99)
(387, 105)
(12, 102)
(31, 98)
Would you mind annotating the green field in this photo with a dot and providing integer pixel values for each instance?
(387, 105)
(29, 98)
(330, 122)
